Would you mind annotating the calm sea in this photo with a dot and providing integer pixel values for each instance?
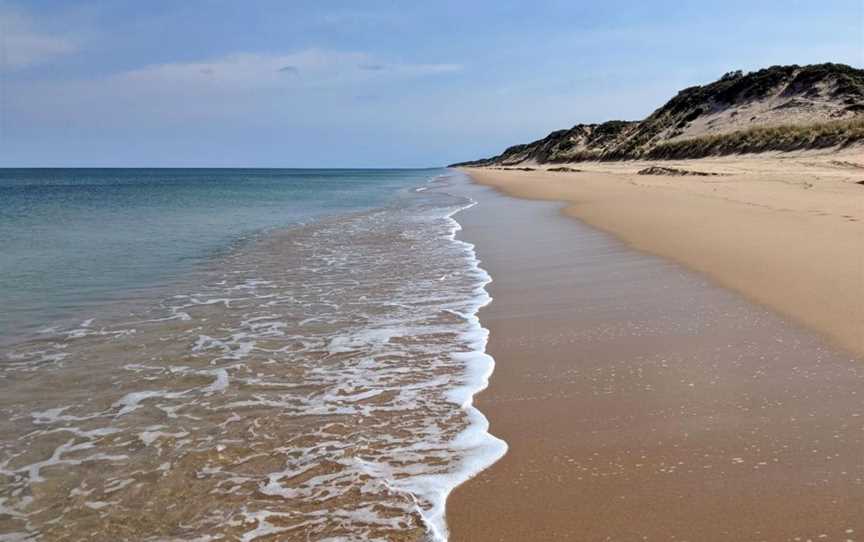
(73, 239)
(237, 354)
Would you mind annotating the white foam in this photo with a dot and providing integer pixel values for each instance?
(54, 415)
(220, 384)
(481, 448)
(17, 537)
(132, 401)
(149, 437)
(364, 340)
(384, 402)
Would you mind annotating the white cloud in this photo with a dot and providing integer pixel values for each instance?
(25, 45)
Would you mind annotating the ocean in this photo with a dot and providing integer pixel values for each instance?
(237, 354)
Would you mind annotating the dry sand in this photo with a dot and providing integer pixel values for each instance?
(642, 401)
(785, 230)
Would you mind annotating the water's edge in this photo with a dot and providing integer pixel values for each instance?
(479, 367)
(349, 349)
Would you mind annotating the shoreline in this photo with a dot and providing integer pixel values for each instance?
(639, 399)
(786, 231)
(374, 312)
(482, 449)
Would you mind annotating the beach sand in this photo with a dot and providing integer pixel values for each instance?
(643, 401)
(787, 230)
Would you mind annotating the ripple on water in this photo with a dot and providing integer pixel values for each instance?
(317, 385)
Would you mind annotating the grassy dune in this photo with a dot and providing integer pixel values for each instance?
(761, 139)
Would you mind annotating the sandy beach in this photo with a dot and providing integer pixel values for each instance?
(644, 401)
(785, 230)
(432, 271)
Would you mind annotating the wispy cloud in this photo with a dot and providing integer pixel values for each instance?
(362, 16)
(310, 84)
(23, 44)
(428, 69)
(314, 67)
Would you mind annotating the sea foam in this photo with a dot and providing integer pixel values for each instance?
(316, 384)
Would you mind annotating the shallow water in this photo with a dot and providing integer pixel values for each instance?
(74, 240)
(314, 383)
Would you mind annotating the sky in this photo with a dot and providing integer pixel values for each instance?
(328, 83)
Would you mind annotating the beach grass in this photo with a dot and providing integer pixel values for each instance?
(787, 137)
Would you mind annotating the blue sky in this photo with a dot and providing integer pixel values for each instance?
(373, 83)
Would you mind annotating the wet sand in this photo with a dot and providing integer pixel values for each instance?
(785, 230)
(642, 401)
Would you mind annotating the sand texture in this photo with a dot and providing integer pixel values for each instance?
(787, 231)
(643, 401)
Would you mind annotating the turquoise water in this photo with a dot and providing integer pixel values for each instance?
(72, 240)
